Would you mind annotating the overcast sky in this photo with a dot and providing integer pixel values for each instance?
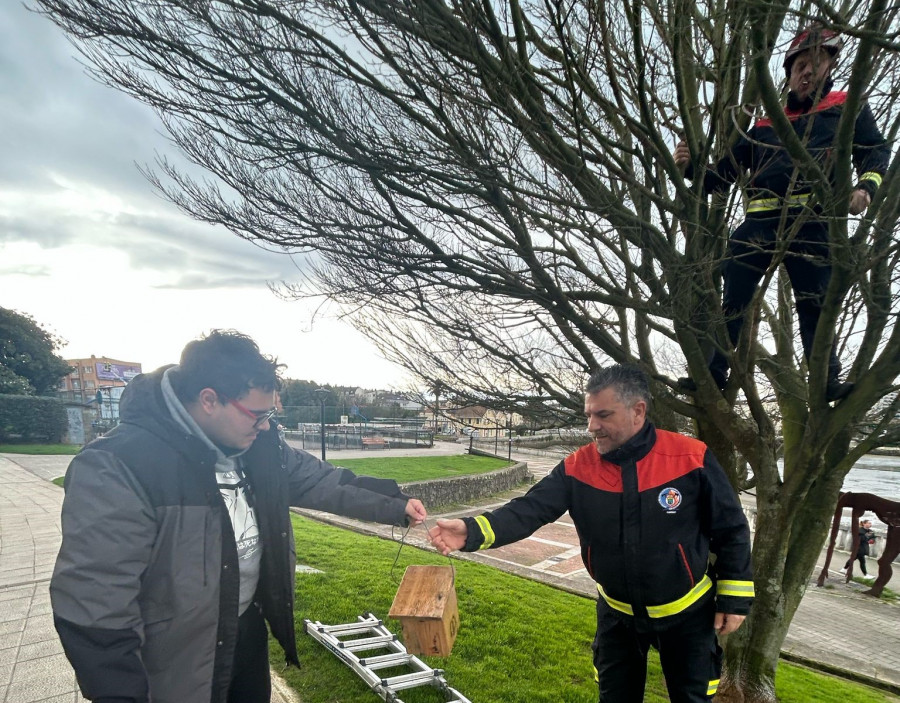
(90, 250)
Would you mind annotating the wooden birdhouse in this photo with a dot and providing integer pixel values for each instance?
(425, 605)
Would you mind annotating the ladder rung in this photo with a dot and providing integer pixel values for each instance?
(367, 642)
(418, 678)
(351, 628)
(385, 660)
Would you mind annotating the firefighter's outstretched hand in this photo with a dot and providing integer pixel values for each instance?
(726, 623)
(448, 535)
(859, 201)
(681, 155)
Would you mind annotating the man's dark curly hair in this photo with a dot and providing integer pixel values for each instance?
(228, 362)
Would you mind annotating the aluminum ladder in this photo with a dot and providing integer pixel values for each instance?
(368, 633)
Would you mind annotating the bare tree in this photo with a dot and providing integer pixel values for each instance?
(487, 190)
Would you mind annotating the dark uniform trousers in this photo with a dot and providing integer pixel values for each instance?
(751, 250)
(250, 680)
(688, 651)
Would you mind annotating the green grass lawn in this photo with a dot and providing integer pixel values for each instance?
(519, 641)
(40, 448)
(404, 469)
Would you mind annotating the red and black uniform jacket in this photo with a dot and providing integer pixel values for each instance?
(648, 515)
(774, 178)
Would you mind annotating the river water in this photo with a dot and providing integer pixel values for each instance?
(875, 474)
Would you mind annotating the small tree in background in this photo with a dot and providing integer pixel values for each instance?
(28, 361)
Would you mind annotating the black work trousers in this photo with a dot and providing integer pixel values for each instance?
(688, 651)
(251, 681)
(751, 249)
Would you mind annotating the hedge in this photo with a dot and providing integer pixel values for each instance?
(28, 418)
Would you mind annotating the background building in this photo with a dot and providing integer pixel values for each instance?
(98, 373)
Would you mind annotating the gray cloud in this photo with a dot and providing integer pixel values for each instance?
(57, 119)
(49, 232)
(209, 257)
(33, 270)
(64, 132)
(193, 281)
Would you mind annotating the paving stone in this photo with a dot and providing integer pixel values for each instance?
(10, 640)
(15, 609)
(12, 626)
(567, 566)
(39, 629)
(38, 650)
(14, 592)
(558, 532)
(526, 551)
(51, 667)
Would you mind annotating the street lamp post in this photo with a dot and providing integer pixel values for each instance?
(321, 393)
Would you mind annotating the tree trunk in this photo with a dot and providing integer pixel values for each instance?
(786, 546)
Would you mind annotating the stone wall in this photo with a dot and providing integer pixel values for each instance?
(467, 489)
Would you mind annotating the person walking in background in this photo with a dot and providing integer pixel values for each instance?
(866, 537)
(781, 211)
(177, 544)
(649, 507)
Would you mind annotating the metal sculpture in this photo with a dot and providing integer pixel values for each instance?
(888, 511)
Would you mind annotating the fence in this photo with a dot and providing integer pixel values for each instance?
(496, 446)
(351, 436)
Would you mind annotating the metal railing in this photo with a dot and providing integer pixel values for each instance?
(351, 436)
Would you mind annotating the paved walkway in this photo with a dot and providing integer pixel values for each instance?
(836, 626)
(32, 664)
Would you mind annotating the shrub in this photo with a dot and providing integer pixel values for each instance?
(32, 418)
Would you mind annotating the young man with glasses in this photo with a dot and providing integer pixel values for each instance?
(177, 542)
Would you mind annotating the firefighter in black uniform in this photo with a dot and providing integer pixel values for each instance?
(649, 507)
(776, 188)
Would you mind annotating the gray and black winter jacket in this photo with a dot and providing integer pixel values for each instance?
(145, 589)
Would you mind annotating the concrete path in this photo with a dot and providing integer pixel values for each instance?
(836, 626)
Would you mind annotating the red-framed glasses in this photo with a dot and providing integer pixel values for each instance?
(260, 416)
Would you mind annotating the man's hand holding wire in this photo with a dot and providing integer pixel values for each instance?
(415, 512)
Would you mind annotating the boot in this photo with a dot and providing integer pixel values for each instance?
(686, 384)
(837, 390)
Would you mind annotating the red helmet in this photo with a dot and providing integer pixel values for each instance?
(812, 36)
